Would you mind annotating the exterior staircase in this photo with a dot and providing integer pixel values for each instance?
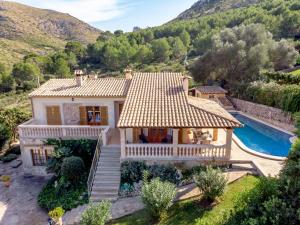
(107, 176)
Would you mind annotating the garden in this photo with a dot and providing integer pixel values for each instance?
(70, 165)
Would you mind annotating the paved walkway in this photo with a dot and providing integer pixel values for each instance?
(270, 167)
(18, 203)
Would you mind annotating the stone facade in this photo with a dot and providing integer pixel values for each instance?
(274, 116)
(71, 113)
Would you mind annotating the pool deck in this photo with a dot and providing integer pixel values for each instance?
(268, 166)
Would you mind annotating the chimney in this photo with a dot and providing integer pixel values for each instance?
(79, 77)
(185, 83)
(128, 73)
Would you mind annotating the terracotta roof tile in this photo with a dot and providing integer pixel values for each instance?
(101, 87)
(158, 100)
(211, 90)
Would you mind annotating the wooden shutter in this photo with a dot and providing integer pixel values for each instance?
(180, 134)
(83, 116)
(104, 115)
(53, 115)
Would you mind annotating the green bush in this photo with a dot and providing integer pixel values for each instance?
(96, 214)
(211, 183)
(56, 213)
(55, 194)
(132, 171)
(165, 173)
(9, 158)
(15, 149)
(72, 168)
(4, 135)
(158, 196)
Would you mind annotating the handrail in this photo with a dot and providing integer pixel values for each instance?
(93, 168)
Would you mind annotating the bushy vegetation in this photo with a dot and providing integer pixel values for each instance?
(9, 120)
(132, 172)
(9, 157)
(70, 164)
(96, 214)
(239, 54)
(157, 195)
(72, 168)
(56, 213)
(285, 97)
(211, 183)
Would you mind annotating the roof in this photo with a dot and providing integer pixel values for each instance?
(97, 87)
(159, 100)
(211, 90)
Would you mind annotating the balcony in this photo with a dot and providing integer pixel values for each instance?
(31, 129)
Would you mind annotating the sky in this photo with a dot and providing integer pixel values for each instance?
(117, 14)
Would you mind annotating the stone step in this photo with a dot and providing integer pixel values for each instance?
(105, 182)
(106, 178)
(111, 169)
(106, 189)
(106, 164)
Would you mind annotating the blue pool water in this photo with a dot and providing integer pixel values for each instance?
(262, 138)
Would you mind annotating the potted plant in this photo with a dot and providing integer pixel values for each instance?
(56, 215)
(6, 180)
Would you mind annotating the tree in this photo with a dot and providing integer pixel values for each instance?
(161, 50)
(144, 54)
(61, 68)
(118, 33)
(76, 48)
(185, 37)
(178, 48)
(240, 53)
(11, 118)
(7, 83)
(26, 75)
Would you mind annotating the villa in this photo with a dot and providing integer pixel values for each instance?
(144, 116)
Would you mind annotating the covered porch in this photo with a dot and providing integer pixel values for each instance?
(176, 143)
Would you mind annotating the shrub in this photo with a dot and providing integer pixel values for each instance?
(211, 183)
(56, 213)
(165, 173)
(4, 135)
(8, 158)
(96, 214)
(132, 171)
(15, 149)
(72, 168)
(5, 178)
(68, 197)
(158, 196)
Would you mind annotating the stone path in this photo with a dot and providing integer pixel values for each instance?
(18, 203)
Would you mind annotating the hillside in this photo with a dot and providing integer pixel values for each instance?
(26, 29)
(207, 7)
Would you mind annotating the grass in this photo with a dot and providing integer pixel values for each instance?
(295, 72)
(189, 212)
(11, 100)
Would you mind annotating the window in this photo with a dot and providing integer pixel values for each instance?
(40, 156)
(93, 115)
(211, 96)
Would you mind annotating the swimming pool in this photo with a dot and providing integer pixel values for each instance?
(262, 138)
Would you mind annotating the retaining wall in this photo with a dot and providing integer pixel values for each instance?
(272, 115)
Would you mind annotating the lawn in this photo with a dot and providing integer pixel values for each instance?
(189, 212)
(295, 72)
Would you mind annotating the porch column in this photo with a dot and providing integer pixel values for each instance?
(123, 142)
(175, 142)
(228, 142)
(215, 134)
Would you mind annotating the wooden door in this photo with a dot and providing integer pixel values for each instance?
(156, 135)
(53, 115)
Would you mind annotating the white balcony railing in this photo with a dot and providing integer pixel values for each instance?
(171, 152)
(31, 130)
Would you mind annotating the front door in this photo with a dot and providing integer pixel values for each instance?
(156, 135)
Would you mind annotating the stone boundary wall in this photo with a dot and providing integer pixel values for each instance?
(272, 115)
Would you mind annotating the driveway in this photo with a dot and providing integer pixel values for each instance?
(18, 203)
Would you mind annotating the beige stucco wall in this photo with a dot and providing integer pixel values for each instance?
(69, 108)
(206, 96)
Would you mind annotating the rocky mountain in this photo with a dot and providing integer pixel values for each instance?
(26, 29)
(206, 7)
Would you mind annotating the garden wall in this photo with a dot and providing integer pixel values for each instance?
(274, 116)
